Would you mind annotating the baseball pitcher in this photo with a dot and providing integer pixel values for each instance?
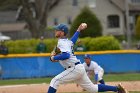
(74, 70)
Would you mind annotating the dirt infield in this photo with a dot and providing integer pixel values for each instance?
(42, 88)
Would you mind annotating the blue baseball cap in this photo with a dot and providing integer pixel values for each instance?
(87, 56)
(62, 27)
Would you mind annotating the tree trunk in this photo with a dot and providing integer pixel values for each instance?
(35, 30)
(36, 15)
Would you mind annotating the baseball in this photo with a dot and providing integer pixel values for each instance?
(84, 24)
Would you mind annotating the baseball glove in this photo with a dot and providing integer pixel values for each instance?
(55, 51)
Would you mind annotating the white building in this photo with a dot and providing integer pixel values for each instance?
(111, 13)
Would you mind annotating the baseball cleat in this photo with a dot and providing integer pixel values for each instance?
(121, 89)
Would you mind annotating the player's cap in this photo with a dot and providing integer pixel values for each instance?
(62, 27)
(87, 56)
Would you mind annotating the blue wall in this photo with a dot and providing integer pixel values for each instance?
(28, 67)
(117, 63)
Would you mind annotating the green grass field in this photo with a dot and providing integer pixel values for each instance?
(122, 77)
(107, 77)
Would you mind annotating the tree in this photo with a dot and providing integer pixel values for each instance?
(94, 26)
(35, 14)
(137, 29)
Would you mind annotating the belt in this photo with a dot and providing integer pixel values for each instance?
(75, 65)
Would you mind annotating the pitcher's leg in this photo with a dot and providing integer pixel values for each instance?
(85, 83)
(104, 88)
(64, 77)
(51, 90)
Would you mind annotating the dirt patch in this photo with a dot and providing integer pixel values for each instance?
(130, 86)
(42, 88)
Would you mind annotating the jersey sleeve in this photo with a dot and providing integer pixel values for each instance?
(75, 37)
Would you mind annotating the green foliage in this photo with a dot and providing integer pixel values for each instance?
(86, 42)
(91, 44)
(120, 38)
(104, 43)
(28, 46)
(101, 43)
(94, 26)
(22, 46)
(137, 29)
